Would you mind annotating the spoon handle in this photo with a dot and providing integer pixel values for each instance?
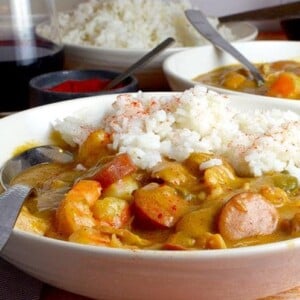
(141, 62)
(266, 13)
(200, 22)
(10, 204)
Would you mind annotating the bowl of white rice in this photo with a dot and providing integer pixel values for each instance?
(112, 35)
(253, 136)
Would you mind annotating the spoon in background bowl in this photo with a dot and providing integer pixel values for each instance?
(14, 196)
(141, 62)
(202, 25)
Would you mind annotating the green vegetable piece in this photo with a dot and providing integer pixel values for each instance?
(285, 181)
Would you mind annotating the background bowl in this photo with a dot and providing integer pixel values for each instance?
(119, 274)
(94, 35)
(181, 68)
(151, 77)
(40, 85)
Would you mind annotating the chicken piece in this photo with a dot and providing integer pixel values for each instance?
(93, 148)
(112, 211)
(90, 236)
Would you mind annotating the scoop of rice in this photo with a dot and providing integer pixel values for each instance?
(174, 126)
(139, 24)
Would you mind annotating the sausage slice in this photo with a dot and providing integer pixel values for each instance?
(158, 205)
(247, 214)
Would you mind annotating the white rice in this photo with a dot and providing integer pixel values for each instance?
(210, 163)
(197, 120)
(138, 24)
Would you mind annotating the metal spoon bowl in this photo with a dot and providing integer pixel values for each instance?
(202, 25)
(29, 158)
(12, 199)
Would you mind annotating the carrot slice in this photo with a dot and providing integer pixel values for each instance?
(284, 86)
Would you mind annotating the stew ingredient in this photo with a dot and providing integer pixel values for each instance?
(282, 79)
(181, 171)
(200, 203)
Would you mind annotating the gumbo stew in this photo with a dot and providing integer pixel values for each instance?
(103, 199)
(282, 79)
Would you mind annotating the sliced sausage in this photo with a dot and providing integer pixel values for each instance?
(158, 205)
(119, 167)
(247, 214)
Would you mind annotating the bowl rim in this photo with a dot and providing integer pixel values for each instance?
(185, 51)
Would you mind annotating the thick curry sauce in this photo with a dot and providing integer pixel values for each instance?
(282, 79)
(103, 199)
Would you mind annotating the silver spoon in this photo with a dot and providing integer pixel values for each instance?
(200, 22)
(141, 62)
(12, 199)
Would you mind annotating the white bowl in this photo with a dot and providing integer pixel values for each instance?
(151, 76)
(181, 68)
(105, 273)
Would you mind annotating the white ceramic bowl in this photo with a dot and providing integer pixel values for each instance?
(181, 68)
(119, 274)
(151, 76)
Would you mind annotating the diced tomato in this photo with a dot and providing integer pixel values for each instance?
(119, 167)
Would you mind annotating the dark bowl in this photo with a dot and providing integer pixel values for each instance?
(41, 93)
(291, 28)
